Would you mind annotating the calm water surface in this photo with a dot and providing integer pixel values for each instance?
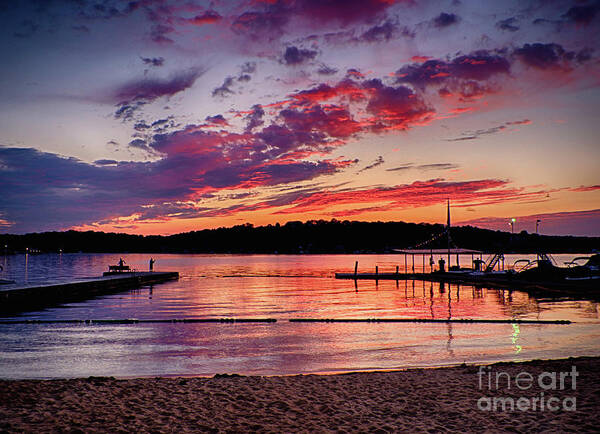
(280, 287)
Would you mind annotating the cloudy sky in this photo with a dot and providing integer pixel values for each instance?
(158, 117)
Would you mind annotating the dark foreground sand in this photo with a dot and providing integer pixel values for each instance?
(430, 400)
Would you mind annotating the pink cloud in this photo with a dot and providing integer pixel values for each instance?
(416, 195)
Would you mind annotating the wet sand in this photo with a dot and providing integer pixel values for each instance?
(424, 400)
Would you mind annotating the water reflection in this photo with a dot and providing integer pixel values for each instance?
(281, 287)
(515, 338)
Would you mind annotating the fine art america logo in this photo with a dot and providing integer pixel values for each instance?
(552, 396)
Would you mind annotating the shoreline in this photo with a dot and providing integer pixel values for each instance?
(414, 399)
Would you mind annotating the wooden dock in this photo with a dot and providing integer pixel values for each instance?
(551, 288)
(29, 298)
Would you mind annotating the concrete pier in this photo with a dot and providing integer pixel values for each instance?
(29, 298)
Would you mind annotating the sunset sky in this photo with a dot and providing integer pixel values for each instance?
(158, 117)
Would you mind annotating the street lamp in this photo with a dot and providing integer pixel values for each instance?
(537, 223)
(512, 225)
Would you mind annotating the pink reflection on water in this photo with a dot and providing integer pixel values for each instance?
(282, 287)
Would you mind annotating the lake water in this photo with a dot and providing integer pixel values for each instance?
(279, 287)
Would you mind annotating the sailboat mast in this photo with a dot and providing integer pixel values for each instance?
(448, 233)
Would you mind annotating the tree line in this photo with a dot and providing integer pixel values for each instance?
(314, 236)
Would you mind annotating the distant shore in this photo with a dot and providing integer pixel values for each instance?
(310, 237)
(546, 395)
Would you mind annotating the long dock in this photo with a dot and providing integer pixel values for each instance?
(588, 288)
(27, 298)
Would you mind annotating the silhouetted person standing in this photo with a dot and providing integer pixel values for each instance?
(152, 261)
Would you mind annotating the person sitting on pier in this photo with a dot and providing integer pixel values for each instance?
(121, 262)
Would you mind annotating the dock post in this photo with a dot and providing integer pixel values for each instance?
(413, 262)
(397, 269)
(355, 268)
(405, 266)
(376, 270)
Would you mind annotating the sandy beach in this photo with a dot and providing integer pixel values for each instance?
(426, 400)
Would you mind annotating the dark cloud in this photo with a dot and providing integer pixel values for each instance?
(126, 111)
(159, 122)
(473, 135)
(296, 56)
(140, 144)
(394, 107)
(334, 121)
(545, 56)
(225, 89)
(424, 167)
(298, 171)
(254, 118)
(401, 168)
(354, 73)
(583, 14)
(445, 20)
(437, 166)
(132, 96)
(159, 32)
(105, 162)
(509, 24)
(326, 70)
(378, 162)
(343, 11)
(141, 126)
(540, 21)
(478, 133)
(38, 181)
(149, 89)
(153, 61)
(269, 19)
(248, 68)
(522, 122)
(380, 33)
(479, 66)
(216, 120)
(256, 24)
(105, 11)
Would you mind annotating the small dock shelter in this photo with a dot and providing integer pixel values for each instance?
(441, 252)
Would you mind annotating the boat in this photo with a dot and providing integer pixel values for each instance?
(588, 271)
(545, 269)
